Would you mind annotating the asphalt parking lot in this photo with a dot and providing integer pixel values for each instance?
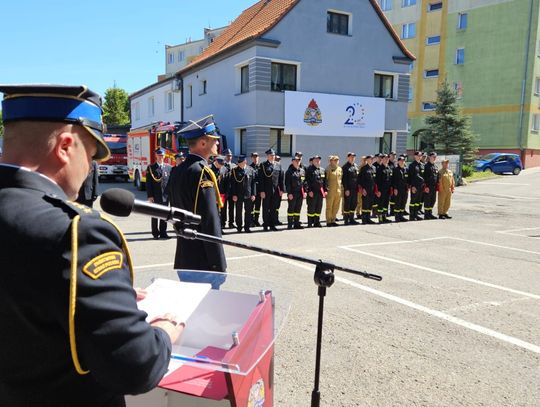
(454, 322)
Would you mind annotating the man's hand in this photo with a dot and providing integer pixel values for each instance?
(395, 192)
(252, 198)
(347, 192)
(378, 194)
(234, 198)
(280, 194)
(150, 199)
(413, 190)
(290, 196)
(141, 293)
(310, 194)
(364, 192)
(263, 195)
(168, 323)
(426, 190)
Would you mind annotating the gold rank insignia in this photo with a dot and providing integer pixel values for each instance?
(102, 264)
(206, 184)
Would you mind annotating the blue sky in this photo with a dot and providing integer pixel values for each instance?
(99, 42)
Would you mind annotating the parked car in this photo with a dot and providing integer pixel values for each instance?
(499, 163)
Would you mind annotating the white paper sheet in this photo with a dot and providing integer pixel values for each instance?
(174, 297)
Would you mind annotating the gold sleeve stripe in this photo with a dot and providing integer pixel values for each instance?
(124, 245)
(73, 295)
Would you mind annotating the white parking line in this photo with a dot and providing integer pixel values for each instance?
(503, 183)
(443, 273)
(151, 266)
(438, 314)
(516, 249)
(526, 198)
(397, 242)
(510, 232)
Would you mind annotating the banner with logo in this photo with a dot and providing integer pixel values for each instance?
(322, 114)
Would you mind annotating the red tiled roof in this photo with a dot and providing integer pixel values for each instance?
(258, 19)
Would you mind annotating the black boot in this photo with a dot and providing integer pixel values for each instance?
(317, 222)
(364, 219)
(429, 215)
(297, 223)
(309, 221)
(290, 222)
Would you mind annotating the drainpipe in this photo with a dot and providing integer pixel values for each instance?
(523, 83)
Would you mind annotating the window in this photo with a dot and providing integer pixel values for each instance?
(460, 56)
(170, 58)
(337, 23)
(435, 6)
(537, 86)
(408, 31)
(428, 106)
(281, 142)
(243, 141)
(407, 3)
(203, 87)
(189, 96)
(385, 5)
(462, 21)
(384, 86)
(431, 73)
(283, 77)
(244, 79)
(436, 39)
(169, 101)
(151, 109)
(458, 89)
(385, 143)
(411, 94)
(536, 122)
(181, 56)
(137, 108)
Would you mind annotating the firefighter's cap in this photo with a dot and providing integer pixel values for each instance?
(56, 103)
(199, 128)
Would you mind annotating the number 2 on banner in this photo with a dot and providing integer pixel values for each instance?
(351, 112)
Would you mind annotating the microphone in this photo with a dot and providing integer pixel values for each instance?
(119, 202)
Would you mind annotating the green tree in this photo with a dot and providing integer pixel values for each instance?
(116, 107)
(448, 130)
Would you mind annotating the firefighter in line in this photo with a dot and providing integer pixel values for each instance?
(255, 165)
(431, 180)
(383, 182)
(227, 211)
(366, 180)
(358, 209)
(271, 185)
(334, 176)
(416, 183)
(242, 190)
(294, 184)
(400, 189)
(316, 186)
(392, 163)
(446, 189)
(350, 189)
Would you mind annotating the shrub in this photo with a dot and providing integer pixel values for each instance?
(466, 170)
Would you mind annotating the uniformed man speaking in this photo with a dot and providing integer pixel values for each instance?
(71, 331)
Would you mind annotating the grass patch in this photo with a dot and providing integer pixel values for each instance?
(479, 176)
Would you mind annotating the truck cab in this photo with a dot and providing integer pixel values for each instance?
(116, 166)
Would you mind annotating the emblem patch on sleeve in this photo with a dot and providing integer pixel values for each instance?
(102, 264)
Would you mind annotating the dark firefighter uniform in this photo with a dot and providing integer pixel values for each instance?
(272, 184)
(257, 204)
(72, 334)
(157, 180)
(431, 180)
(227, 211)
(295, 186)
(316, 184)
(392, 164)
(417, 182)
(242, 185)
(383, 180)
(400, 189)
(194, 187)
(349, 181)
(366, 180)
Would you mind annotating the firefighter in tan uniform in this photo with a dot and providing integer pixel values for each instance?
(446, 188)
(334, 175)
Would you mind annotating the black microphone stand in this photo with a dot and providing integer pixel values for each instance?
(323, 277)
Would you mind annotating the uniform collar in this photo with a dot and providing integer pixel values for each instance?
(12, 176)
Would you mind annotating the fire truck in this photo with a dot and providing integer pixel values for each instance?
(142, 143)
(116, 165)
